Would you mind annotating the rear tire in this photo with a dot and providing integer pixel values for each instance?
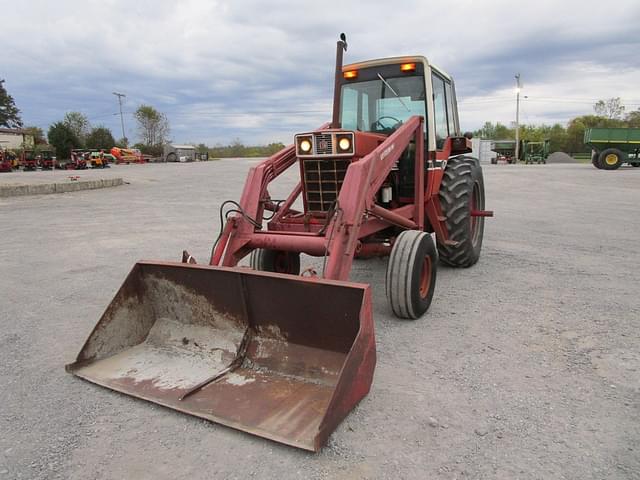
(611, 158)
(461, 191)
(595, 160)
(411, 274)
(277, 261)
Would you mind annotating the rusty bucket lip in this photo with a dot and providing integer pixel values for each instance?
(76, 366)
(250, 271)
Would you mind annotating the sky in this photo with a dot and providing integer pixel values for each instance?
(262, 71)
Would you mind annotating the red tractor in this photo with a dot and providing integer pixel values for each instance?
(47, 160)
(29, 160)
(5, 163)
(286, 354)
(79, 160)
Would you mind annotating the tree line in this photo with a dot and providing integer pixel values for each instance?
(570, 139)
(153, 129)
(238, 149)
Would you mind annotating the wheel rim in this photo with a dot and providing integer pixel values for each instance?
(425, 277)
(611, 159)
(474, 202)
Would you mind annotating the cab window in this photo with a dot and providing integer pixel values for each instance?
(440, 107)
(450, 111)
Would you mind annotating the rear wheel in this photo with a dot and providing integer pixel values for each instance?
(277, 261)
(462, 192)
(595, 159)
(611, 158)
(411, 274)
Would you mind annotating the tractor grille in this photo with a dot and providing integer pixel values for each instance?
(322, 182)
(324, 144)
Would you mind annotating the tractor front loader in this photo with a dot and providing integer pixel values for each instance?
(269, 350)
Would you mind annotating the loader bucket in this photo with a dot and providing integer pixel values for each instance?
(279, 356)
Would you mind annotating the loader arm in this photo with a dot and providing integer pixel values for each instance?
(355, 207)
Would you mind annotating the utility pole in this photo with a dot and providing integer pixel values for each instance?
(120, 95)
(517, 117)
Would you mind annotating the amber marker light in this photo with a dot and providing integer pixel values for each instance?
(350, 74)
(408, 67)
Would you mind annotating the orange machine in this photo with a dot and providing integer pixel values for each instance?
(127, 155)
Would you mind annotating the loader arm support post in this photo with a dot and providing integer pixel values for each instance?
(357, 195)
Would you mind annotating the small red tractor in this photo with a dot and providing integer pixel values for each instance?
(47, 160)
(5, 162)
(28, 160)
(286, 354)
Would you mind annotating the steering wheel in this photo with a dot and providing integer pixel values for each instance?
(382, 127)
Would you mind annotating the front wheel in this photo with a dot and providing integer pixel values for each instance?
(462, 193)
(277, 261)
(411, 274)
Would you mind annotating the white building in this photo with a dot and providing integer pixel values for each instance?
(14, 138)
(179, 153)
(482, 150)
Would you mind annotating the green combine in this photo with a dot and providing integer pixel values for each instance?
(612, 147)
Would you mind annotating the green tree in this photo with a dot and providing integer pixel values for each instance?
(489, 131)
(611, 108)
(100, 137)
(79, 124)
(63, 139)
(9, 113)
(153, 126)
(633, 119)
(558, 137)
(37, 133)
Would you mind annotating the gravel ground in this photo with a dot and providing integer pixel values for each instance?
(526, 366)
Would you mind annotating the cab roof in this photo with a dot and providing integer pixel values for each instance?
(394, 60)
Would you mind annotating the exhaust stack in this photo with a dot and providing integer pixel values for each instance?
(341, 47)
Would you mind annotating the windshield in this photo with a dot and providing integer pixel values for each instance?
(382, 105)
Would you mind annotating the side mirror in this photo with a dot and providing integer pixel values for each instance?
(468, 135)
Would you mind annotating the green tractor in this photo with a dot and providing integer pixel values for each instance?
(535, 152)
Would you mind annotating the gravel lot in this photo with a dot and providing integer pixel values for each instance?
(526, 366)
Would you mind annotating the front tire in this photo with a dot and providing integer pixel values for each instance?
(411, 274)
(277, 261)
(461, 192)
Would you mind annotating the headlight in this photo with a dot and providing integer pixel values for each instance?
(305, 145)
(344, 144)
